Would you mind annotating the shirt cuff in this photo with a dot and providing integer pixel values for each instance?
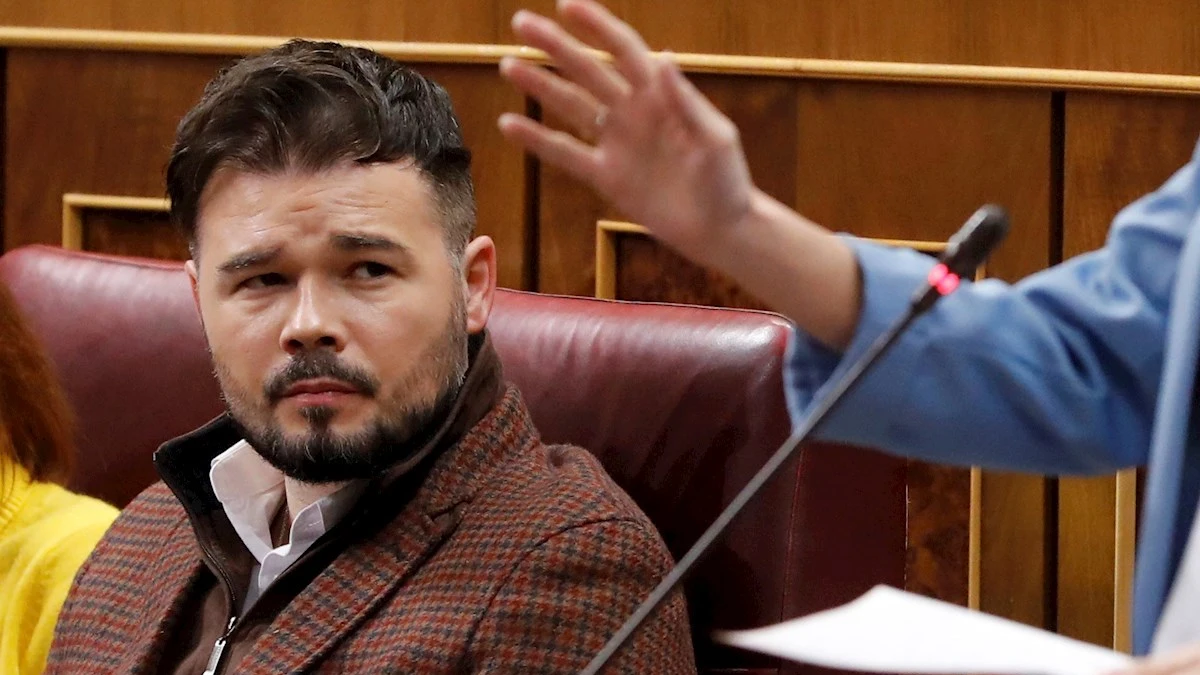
(890, 277)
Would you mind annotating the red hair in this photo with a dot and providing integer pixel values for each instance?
(36, 425)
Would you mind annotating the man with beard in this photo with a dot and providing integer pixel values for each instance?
(376, 499)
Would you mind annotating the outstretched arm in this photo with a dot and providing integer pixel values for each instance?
(648, 142)
(1056, 374)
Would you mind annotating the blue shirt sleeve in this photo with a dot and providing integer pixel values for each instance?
(1056, 374)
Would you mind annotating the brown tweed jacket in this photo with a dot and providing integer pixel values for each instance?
(511, 556)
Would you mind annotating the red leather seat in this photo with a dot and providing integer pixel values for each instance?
(681, 404)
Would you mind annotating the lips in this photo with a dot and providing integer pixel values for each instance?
(321, 386)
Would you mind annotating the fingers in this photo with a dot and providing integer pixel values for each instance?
(698, 115)
(598, 27)
(565, 100)
(576, 61)
(557, 148)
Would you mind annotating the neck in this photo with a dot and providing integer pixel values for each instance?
(301, 495)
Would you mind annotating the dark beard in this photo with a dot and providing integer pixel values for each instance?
(400, 429)
(321, 456)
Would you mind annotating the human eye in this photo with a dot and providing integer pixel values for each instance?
(262, 281)
(370, 270)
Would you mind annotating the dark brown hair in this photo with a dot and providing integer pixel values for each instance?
(310, 105)
(35, 420)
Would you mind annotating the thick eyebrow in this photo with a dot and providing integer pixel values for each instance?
(249, 259)
(361, 242)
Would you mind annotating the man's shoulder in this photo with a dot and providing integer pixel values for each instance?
(156, 499)
(150, 517)
(551, 489)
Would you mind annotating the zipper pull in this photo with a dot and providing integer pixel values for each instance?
(214, 659)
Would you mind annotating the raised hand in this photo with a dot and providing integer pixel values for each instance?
(648, 142)
(644, 138)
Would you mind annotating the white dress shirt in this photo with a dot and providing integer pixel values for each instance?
(251, 491)
(1179, 625)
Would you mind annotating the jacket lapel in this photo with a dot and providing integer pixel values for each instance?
(368, 573)
(384, 545)
(346, 593)
(177, 569)
(1162, 529)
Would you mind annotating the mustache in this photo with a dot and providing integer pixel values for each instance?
(319, 364)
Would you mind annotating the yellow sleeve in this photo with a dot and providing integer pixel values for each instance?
(43, 567)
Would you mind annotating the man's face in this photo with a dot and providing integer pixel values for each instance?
(335, 316)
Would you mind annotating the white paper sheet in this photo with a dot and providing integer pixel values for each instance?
(887, 630)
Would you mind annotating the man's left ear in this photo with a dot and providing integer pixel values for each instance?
(479, 280)
(194, 280)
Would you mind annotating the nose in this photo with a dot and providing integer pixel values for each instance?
(314, 321)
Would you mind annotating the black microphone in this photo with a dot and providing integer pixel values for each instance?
(964, 254)
(965, 251)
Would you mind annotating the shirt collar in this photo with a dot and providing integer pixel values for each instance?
(250, 491)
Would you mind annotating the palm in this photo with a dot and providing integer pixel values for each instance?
(658, 174)
(663, 156)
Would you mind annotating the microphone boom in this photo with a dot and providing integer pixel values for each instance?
(965, 251)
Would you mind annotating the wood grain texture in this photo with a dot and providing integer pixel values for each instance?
(1150, 36)
(1116, 149)
(646, 270)
(413, 20)
(94, 123)
(136, 233)
(907, 162)
(1008, 77)
(913, 162)
(108, 121)
(939, 502)
(1096, 541)
(1155, 36)
(1018, 548)
(1086, 555)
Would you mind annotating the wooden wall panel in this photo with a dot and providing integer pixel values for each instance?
(476, 21)
(1018, 552)
(103, 123)
(1149, 36)
(1154, 36)
(98, 123)
(1117, 148)
(123, 232)
(911, 162)
(938, 551)
(646, 270)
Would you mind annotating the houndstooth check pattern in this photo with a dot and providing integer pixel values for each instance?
(513, 557)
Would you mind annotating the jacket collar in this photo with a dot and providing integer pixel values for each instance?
(184, 462)
(389, 546)
(405, 499)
